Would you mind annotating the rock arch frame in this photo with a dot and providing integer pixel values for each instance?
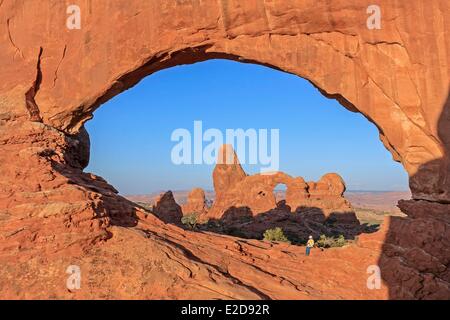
(54, 78)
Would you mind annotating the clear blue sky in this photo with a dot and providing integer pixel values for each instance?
(130, 134)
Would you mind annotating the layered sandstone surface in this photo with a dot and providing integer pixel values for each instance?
(52, 79)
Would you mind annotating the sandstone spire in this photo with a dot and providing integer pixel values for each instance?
(228, 171)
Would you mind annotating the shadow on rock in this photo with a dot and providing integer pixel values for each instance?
(415, 250)
(297, 225)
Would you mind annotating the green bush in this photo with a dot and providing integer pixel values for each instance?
(275, 234)
(146, 206)
(330, 242)
(190, 220)
(340, 242)
(322, 241)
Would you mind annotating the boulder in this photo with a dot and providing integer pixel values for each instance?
(196, 202)
(166, 208)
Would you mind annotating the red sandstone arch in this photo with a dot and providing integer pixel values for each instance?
(379, 73)
(54, 78)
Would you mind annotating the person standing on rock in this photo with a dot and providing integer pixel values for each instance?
(309, 245)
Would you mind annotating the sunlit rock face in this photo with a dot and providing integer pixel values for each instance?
(251, 195)
(196, 202)
(53, 78)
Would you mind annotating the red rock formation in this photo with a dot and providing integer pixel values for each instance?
(239, 194)
(330, 184)
(383, 69)
(328, 195)
(52, 79)
(196, 202)
(166, 208)
(228, 170)
(297, 193)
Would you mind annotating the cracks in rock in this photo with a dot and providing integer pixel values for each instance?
(305, 288)
(57, 67)
(351, 107)
(401, 38)
(30, 95)
(11, 38)
(283, 280)
(169, 257)
(409, 74)
(401, 45)
(379, 86)
(190, 255)
(430, 201)
(386, 95)
(345, 54)
(222, 8)
(333, 31)
(393, 43)
(368, 75)
(266, 16)
(12, 233)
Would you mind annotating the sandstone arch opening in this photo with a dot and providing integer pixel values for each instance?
(280, 193)
(282, 105)
(130, 114)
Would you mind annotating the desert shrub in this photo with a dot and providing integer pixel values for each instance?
(330, 242)
(275, 234)
(145, 205)
(340, 241)
(322, 242)
(190, 220)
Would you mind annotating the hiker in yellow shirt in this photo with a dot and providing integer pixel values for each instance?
(309, 245)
